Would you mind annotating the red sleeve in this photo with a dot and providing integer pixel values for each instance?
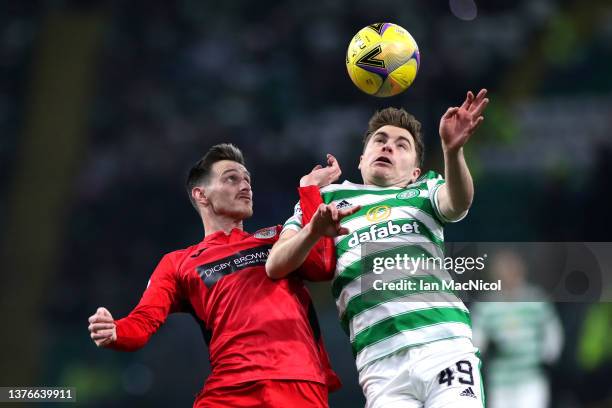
(160, 298)
(321, 261)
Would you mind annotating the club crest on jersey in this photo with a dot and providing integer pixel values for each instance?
(378, 213)
(265, 233)
(408, 194)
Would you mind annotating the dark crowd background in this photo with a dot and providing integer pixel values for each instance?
(105, 105)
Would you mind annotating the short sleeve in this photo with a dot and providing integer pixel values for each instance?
(434, 182)
(294, 223)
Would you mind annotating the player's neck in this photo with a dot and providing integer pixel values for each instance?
(225, 224)
(388, 184)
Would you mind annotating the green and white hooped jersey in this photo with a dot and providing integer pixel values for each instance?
(398, 220)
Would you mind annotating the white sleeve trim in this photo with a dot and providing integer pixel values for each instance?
(294, 222)
(291, 227)
(434, 203)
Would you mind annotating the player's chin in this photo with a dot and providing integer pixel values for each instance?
(246, 211)
(381, 174)
(240, 210)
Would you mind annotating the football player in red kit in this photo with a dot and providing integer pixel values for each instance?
(263, 337)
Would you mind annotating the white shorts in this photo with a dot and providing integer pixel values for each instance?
(441, 374)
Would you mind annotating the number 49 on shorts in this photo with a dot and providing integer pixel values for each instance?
(464, 370)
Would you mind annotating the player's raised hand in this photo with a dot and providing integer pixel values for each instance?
(322, 176)
(326, 220)
(102, 327)
(459, 123)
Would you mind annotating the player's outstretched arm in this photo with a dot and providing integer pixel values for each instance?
(457, 125)
(319, 177)
(292, 248)
(322, 176)
(102, 328)
(160, 298)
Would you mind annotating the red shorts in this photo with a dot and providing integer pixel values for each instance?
(265, 394)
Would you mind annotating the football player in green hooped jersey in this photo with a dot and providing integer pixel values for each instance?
(411, 349)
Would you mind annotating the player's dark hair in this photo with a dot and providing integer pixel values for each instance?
(402, 119)
(199, 174)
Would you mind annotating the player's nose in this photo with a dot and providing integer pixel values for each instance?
(245, 188)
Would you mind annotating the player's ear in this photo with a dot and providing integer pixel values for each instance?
(416, 172)
(360, 160)
(199, 195)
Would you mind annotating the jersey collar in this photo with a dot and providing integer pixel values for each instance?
(221, 238)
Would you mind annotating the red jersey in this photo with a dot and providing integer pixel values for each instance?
(255, 327)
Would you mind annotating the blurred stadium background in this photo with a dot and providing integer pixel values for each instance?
(104, 105)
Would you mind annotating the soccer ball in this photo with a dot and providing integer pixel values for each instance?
(382, 59)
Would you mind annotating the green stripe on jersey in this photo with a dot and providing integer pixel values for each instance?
(340, 194)
(408, 321)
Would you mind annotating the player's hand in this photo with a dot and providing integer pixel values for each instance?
(459, 123)
(102, 328)
(322, 176)
(326, 220)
